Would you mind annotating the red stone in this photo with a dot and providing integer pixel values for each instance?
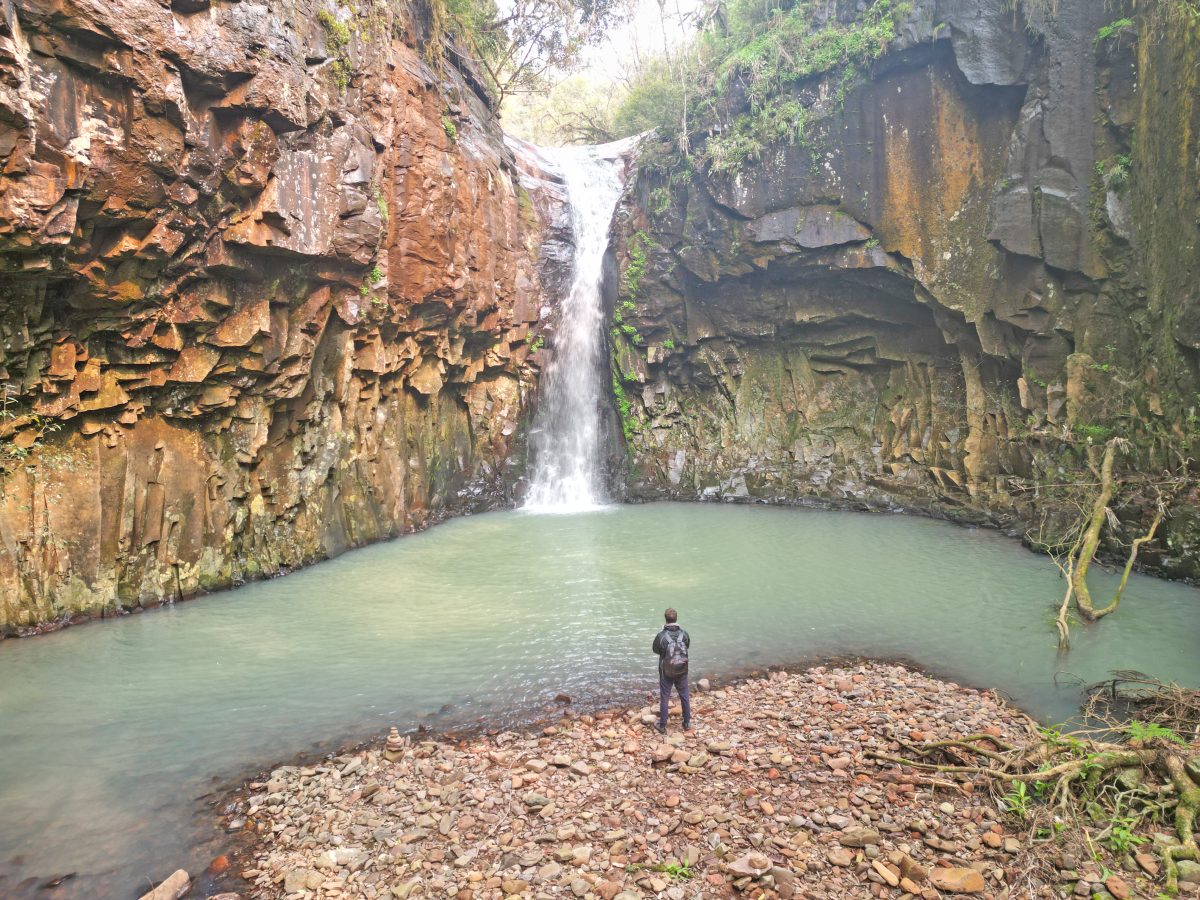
(218, 865)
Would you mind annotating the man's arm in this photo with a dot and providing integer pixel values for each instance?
(687, 640)
(657, 645)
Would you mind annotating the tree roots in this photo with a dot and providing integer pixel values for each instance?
(1082, 779)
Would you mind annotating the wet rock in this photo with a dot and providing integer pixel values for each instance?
(176, 885)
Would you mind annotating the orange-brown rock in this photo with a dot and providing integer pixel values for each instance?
(253, 316)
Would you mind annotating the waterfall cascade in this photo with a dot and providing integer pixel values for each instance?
(567, 432)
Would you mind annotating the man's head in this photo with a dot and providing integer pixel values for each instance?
(671, 616)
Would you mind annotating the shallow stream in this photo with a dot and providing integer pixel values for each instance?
(110, 732)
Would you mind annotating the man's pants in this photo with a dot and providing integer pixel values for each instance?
(680, 683)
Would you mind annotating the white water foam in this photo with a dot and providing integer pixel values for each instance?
(567, 452)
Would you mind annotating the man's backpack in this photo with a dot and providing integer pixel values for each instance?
(675, 653)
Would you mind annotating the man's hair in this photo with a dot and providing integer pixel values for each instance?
(671, 616)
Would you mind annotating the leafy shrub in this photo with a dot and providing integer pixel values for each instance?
(1111, 29)
(736, 80)
(654, 101)
(1145, 732)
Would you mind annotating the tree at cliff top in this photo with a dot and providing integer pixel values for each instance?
(519, 43)
(577, 110)
(614, 94)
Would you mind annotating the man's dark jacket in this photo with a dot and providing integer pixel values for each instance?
(660, 643)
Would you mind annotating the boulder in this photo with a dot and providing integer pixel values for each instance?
(176, 885)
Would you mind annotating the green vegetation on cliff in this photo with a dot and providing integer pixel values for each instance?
(337, 38)
(767, 48)
(730, 94)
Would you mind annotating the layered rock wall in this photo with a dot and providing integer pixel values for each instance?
(975, 267)
(269, 276)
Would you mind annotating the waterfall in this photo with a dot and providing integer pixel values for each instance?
(567, 451)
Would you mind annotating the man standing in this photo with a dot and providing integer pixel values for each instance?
(671, 644)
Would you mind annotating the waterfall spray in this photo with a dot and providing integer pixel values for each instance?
(567, 449)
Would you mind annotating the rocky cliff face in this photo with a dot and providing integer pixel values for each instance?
(269, 279)
(978, 264)
(272, 283)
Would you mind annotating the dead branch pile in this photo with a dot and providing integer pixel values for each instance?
(1130, 695)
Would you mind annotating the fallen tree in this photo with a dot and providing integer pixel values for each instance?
(1075, 551)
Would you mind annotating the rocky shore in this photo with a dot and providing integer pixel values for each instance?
(776, 791)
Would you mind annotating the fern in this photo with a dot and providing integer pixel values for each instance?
(1144, 732)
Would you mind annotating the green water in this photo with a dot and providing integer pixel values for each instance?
(109, 732)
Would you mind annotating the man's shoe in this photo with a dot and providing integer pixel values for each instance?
(660, 727)
(687, 726)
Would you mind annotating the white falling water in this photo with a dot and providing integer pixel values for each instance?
(567, 449)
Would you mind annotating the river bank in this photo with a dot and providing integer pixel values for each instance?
(774, 792)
